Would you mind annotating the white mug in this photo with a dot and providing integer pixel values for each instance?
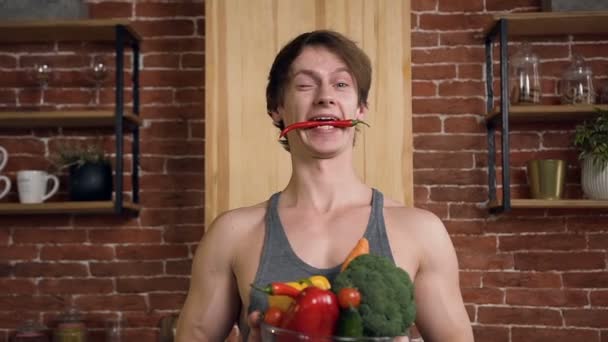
(3, 158)
(32, 186)
(7, 186)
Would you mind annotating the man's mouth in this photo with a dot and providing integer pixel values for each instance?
(324, 118)
(319, 123)
(321, 119)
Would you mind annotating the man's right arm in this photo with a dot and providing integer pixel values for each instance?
(212, 305)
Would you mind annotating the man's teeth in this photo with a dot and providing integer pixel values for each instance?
(326, 127)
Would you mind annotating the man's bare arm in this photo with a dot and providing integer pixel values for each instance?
(441, 313)
(212, 304)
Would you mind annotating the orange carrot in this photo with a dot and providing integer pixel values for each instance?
(362, 247)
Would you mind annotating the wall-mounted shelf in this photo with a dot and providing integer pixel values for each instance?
(556, 204)
(64, 30)
(99, 207)
(553, 113)
(520, 25)
(554, 23)
(122, 36)
(85, 118)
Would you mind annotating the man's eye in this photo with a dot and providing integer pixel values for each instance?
(303, 86)
(341, 84)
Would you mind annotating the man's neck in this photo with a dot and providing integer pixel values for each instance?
(323, 185)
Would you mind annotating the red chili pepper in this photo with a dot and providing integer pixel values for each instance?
(315, 313)
(279, 289)
(312, 124)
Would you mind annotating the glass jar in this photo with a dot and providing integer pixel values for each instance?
(525, 77)
(576, 85)
(603, 97)
(31, 331)
(71, 327)
(113, 330)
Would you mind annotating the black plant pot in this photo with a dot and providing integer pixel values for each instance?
(90, 182)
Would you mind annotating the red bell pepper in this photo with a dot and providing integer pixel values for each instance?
(315, 313)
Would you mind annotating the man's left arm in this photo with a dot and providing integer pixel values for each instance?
(441, 315)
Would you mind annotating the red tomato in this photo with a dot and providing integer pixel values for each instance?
(273, 316)
(349, 297)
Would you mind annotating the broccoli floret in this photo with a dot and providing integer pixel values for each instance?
(387, 294)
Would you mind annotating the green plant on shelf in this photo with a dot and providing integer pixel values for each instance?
(591, 139)
(68, 155)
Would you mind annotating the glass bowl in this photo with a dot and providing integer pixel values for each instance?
(274, 334)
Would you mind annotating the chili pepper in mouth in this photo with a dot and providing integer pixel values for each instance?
(317, 123)
(279, 289)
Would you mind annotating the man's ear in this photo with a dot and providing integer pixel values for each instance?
(361, 112)
(276, 117)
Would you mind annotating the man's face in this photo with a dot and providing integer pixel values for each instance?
(320, 87)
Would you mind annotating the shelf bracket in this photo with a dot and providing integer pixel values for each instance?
(135, 130)
(504, 108)
(121, 32)
(500, 30)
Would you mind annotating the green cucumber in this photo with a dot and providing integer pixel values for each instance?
(350, 323)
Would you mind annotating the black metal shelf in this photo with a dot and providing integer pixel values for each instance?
(526, 24)
(122, 35)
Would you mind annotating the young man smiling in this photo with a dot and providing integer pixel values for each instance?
(310, 226)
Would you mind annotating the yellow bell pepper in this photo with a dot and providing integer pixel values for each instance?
(316, 280)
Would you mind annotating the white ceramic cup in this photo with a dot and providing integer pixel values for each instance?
(3, 158)
(7, 186)
(32, 186)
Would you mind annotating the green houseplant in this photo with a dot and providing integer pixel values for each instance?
(89, 169)
(591, 139)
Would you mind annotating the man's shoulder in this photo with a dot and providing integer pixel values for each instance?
(409, 215)
(413, 224)
(240, 216)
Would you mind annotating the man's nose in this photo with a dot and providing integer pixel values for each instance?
(325, 95)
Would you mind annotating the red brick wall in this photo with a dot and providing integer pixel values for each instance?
(137, 268)
(531, 275)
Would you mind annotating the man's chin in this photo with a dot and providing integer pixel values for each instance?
(327, 152)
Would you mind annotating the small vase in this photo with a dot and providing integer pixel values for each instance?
(594, 179)
(91, 182)
(546, 178)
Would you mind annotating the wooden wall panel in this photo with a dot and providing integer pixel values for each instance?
(244, 163)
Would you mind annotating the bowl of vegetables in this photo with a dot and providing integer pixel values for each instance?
(371, 299)
(274, 334)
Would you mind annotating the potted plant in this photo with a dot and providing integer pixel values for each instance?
(90, 172)
(591, 139)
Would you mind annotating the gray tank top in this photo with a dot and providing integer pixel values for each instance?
(279, 262)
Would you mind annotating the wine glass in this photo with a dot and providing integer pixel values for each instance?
(41, 74)
(98, 73)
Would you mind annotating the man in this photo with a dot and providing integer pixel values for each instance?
(310, 226)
